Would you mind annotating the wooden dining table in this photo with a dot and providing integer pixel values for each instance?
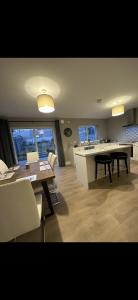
(44, 177)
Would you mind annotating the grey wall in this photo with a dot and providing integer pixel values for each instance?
(74, 125)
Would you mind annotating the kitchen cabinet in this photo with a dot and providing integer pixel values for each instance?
(135, 151)
(130, 117)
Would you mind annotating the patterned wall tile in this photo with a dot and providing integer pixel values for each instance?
(130, 133)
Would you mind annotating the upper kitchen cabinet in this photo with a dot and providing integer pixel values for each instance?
(131, 117)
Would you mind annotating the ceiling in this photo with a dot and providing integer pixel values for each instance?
(75, 83)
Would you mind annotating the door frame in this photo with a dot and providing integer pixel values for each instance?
(33, 125)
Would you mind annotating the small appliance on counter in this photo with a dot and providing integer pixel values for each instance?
(105, 141)
(89, 147)
(90, 143)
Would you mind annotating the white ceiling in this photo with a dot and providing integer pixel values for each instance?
(77, 83)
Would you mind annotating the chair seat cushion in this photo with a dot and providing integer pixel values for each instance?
(103, 159)
(119, 155)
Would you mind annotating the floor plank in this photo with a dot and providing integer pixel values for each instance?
(105, 213)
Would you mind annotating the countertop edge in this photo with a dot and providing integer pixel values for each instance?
(102, 151)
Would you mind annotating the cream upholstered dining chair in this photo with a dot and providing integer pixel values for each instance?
(32, 157)
(3, 167)
(20, 210)
(52, 164)
(53, 161)
(49, 157)
(53, 185)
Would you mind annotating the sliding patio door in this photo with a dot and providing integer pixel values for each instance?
(44, 140)
(33, 139)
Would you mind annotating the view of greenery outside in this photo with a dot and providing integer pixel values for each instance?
(29, 140)
(87, 133)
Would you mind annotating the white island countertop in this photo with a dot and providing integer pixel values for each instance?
(99, 150)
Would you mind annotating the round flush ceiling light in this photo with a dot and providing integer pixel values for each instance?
(117, 110)
(45, 103)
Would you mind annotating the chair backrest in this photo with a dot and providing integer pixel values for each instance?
(18, 210)
(53, 161)
(50, 157)
(32, 157)
(3, 167)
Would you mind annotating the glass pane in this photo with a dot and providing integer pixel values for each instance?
(24, 142)
(87, 133)
(45, 142)
(91, 133)
(82, 134)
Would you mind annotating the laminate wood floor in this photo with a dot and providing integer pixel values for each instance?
(105, 213)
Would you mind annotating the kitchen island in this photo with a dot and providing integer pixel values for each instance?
(85, 162)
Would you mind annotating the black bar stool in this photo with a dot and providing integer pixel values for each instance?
(105, 160)
(119, 156)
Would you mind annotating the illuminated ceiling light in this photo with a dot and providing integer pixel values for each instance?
(119, 100)
(117, 110)
(45, 103)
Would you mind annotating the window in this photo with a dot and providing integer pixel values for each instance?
(87, 133)
(29, 140)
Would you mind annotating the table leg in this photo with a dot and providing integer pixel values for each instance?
(47, 194)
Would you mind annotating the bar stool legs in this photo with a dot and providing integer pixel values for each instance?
(126, 165)
(96, 170)
(105, 169)
(109, 172)
(118, 167)
(104, 160)
(125, 159)
(112, 166)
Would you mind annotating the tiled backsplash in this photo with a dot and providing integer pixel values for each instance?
(130, 133)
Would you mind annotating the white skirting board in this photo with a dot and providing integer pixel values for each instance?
(132, 158)
(68, 163)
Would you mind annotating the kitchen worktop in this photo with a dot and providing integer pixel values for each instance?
(101, 149)
(85, 162)
(127, 143)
